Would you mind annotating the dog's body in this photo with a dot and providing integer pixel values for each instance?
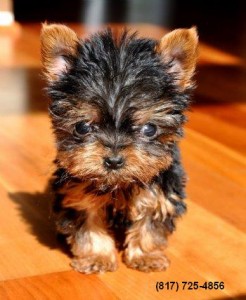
(117, 108)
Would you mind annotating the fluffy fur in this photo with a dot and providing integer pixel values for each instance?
(115, 85)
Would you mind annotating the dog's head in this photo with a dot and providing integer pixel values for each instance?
(117, 103)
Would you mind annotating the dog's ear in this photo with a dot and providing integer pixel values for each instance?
(179, 48)
(58, 44)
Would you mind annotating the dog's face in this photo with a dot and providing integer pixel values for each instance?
(117, 103)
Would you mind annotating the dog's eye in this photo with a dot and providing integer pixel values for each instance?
(82, 128)
(149, 130)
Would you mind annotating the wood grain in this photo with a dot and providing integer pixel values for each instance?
(64, 285)
(210, 241)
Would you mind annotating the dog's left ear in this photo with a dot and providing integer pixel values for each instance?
(180, 49)
(58, 43)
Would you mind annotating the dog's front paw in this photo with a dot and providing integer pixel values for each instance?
(94, 264)
(147, 262)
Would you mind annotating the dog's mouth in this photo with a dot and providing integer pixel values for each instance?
(113, 180)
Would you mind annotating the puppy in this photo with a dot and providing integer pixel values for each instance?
(117, 107)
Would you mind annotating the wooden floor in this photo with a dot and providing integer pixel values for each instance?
(210, 243)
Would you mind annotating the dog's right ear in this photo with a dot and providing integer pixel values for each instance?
(180, 48)
(58, 43)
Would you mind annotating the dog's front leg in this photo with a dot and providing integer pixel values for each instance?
(92, 246)
(81, 216)
(147, 236)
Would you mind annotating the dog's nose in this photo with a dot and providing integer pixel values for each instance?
(114, 162)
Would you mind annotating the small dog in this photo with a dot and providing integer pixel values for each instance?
(117, 106)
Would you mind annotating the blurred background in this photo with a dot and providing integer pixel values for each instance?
(221, 26)
(219, 22)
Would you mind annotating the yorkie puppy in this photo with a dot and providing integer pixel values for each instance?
(117, 107)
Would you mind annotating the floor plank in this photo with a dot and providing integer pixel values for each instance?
(220, 129)
(63, 285)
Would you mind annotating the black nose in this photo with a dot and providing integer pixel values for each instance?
(115, 162)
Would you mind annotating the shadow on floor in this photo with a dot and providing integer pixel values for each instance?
(35, 210)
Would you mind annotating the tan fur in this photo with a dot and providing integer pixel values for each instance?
(76, 197)
(181, 47)
(56, 41)
(143, 166)
(92, 246)
(146, 238)
(146, 262)
(87, 162)
(148, 202)
(168, 138)
(159, 111)
(83, 112)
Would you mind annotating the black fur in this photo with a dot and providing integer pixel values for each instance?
(120, 77)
